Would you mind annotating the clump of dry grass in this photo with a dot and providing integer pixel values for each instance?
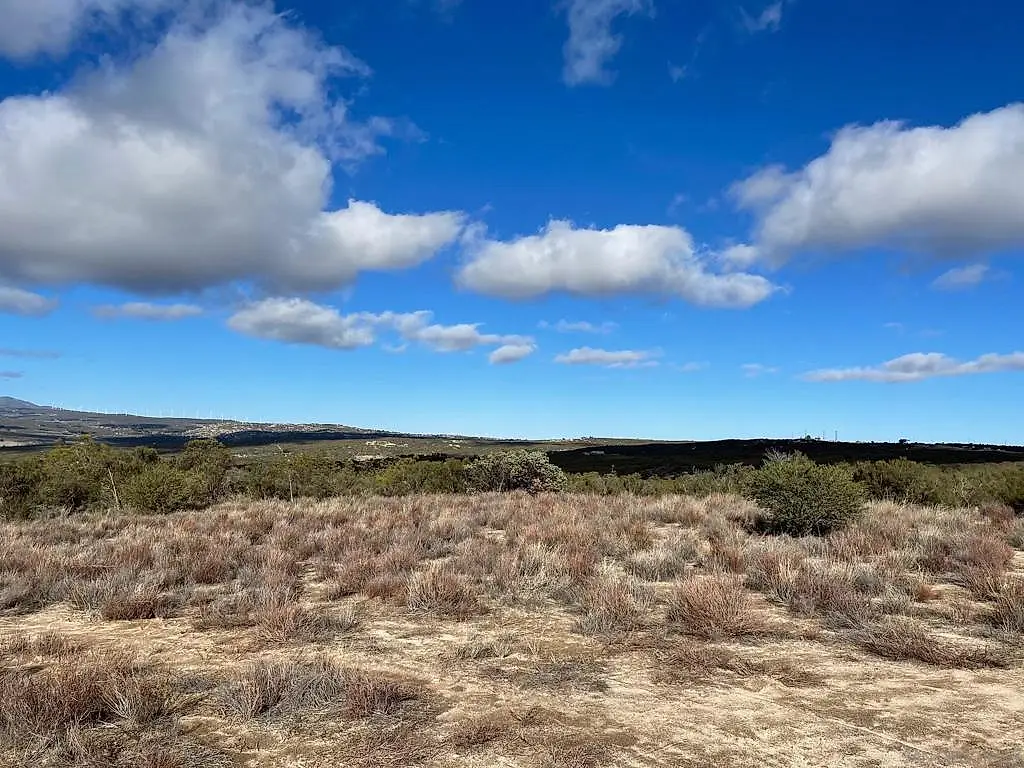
(831, 591)
(685, 663)
(387, 586)
(499, 646)
(613, 603)
(49, 643)
(714, 607)
(295, 687)
(141, 601)
(575, 754)
(348, 578)
(286, 620)
(88, 690)
(667, 559)
(980, 564)
(903, 639)
(773, 567)
(117, 747)
(580, 673)
(483, 729)
(443, 592)
(1008, 607)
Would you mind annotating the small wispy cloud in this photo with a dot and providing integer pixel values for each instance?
(578, 326)
(144, 310)
(623, 358)
(11, 374)
(29, 354)
(691, 367)
(960, 278)
(17, 301)
(769, 20)
(753, 370)
(511, 353)
(592, 44)
(678, 200)
(918, 366)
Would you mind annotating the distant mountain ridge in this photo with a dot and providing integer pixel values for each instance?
(14, 404)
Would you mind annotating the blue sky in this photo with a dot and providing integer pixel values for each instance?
(636, 218)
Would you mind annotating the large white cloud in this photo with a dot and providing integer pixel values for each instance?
(591, 43)
(206, 160)
(594, 262)
(950, 192)
(921, 365)
(300, 321)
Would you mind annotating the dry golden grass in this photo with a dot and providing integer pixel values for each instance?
(1008, 607)
(443, 592)
(714, 607)
(514, 630)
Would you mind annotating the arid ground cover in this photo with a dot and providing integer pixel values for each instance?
(511, 630)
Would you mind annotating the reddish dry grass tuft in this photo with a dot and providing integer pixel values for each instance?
(714, 607)
(686, 663)
(481, 730)
(91, 689)
(981, 563)
(903, 639)
(49, 643)
(272, 688)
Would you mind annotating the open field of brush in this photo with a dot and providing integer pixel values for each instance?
(511, 630)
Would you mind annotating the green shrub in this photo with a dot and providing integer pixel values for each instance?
(801, 497)
(900, 480)
(80, 475)
(515, 470)
(164, 487)
(1008, 487)
(205, 464)
(19, 489)
(407, 476)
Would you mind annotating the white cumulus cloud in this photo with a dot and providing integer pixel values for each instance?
(511, 353)
(921, 365)
(595, 262)
(951, 192)
(591, 42)
(300, 321)
(208, 159)
(623, 358)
